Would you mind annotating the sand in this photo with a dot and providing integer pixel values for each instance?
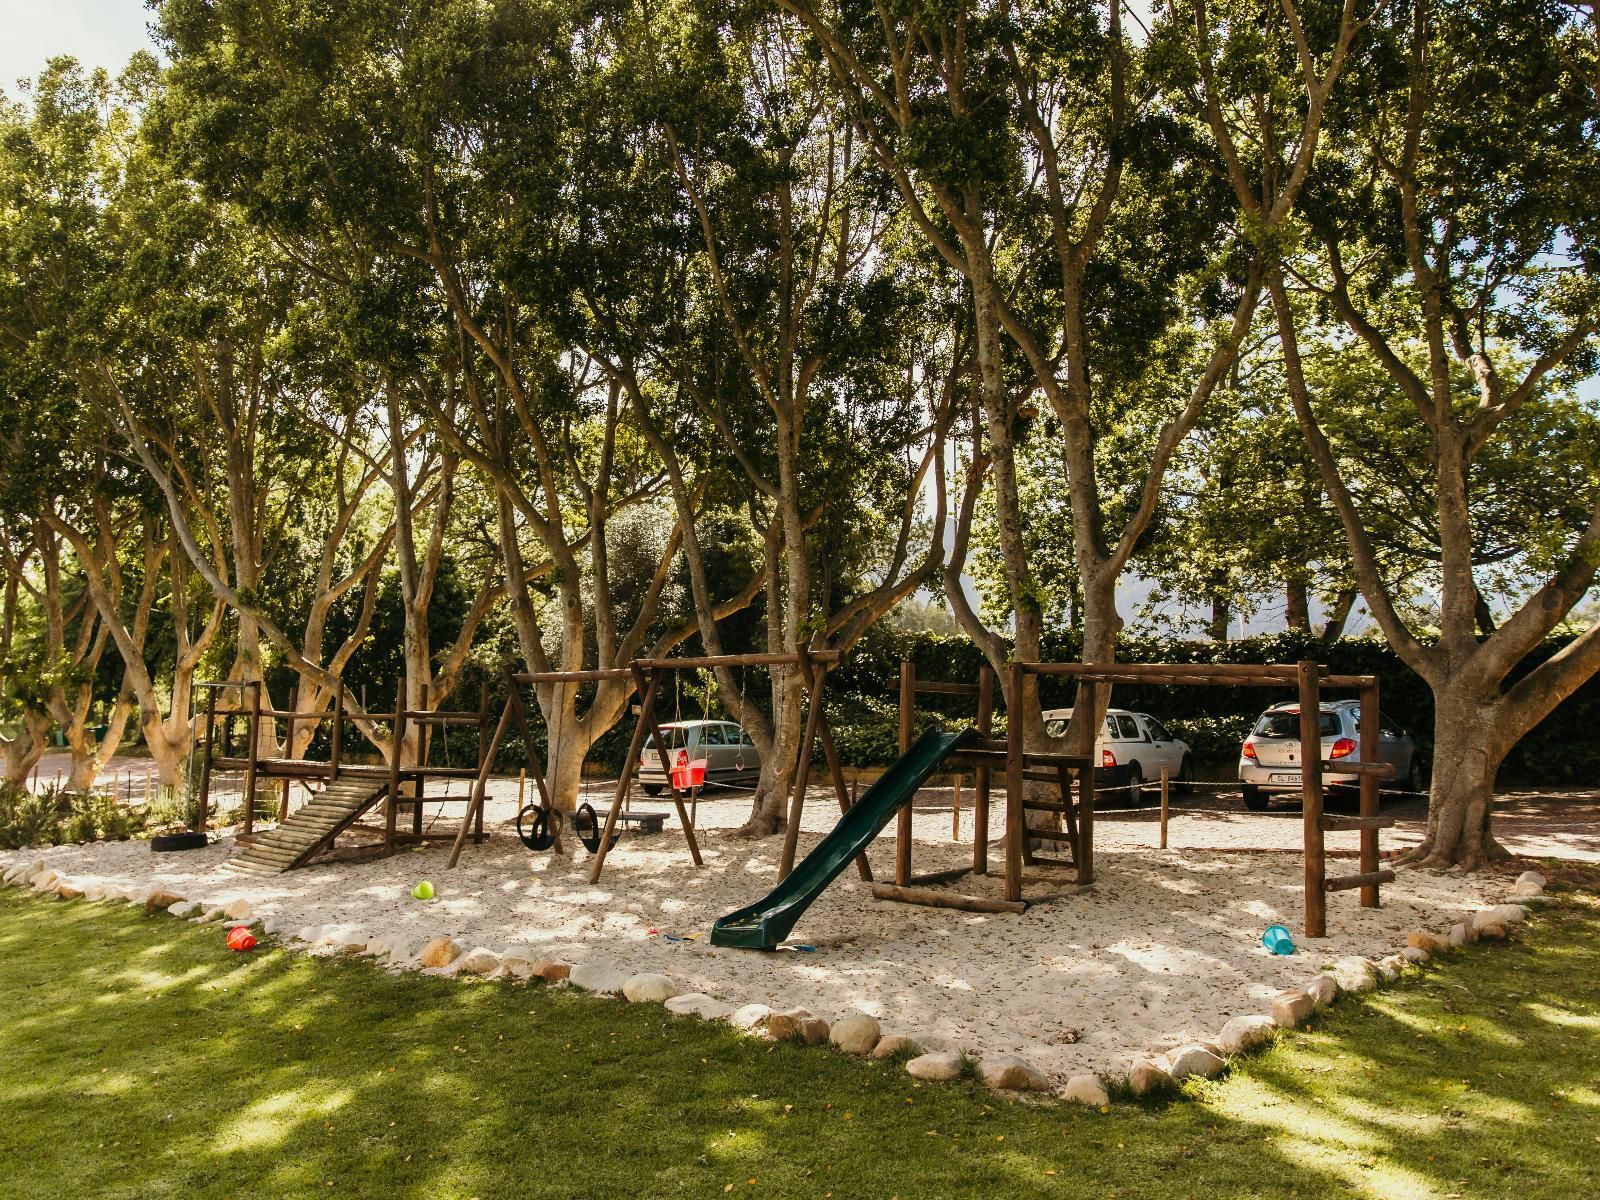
(1163, 948)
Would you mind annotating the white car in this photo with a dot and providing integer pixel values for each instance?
(1132, 747)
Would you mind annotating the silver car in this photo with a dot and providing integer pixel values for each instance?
(1269, 760)
(730, 756)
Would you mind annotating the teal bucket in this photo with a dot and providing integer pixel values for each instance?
(1277, 940)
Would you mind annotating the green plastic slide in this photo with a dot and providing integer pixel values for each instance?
(762, 925)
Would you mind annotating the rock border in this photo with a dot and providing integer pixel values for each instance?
(926, 1057)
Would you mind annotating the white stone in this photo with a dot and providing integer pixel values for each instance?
(698, 1004)
(215, 913)
(598, 978)
(1086, 1089)
(1245, 1033)
(937, 1043)
(1292, 1007)
(1148, 1075)
(480, 960)
(440, 952)
(238, 910)
(43, 881)
(1390, 966)
(1414, 954)
(1193, 1060)
(856, 1034)
(1354, 974)
(937, 1067)
(650, 987)
(1459, 935)
(750, 1017)
(184, 908)
(1007, 1072)
(1500, 914)
(519, 964)
(1323, 990)
(891, 1044)
(1532, 879)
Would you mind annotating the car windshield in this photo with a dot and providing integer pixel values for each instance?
(1284, 725)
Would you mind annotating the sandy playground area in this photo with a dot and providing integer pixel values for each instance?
(1163, 949)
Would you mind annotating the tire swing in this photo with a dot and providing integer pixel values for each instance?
(586, 824)
(539, 827)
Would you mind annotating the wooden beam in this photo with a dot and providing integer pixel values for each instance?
(908, 728)
(1370, 749)
(934, 898)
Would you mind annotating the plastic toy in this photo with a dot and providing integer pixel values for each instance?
(240, 939)
(1277, 940)
(423, 891)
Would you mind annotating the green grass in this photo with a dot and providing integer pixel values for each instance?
(142, 1059)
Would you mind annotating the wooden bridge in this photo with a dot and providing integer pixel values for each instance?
(341, 792)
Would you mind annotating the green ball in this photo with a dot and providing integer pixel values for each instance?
(423, 891)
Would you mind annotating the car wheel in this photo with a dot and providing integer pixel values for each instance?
(1185, 780)
(653, 789)
(1255, 799)
(1414, 782)
(1135, 785)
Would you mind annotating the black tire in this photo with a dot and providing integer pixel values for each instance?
(1255, 799)
(1135, 785)
(1415, 780)
(166, 843)
(537, 828)
(1185, 780)
(653, 789)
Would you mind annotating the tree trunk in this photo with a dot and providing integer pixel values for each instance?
(1468, 750)
(1297, 605)
(1221, 617)
(1339, 615)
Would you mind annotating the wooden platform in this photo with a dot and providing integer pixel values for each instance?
(310, 830)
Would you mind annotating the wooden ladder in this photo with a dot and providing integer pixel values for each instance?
(310, 829)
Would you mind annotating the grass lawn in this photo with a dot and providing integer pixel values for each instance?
(140, 1058)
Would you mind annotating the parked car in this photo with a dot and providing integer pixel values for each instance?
(1133, 747)
(730, 756)
(1269, 760)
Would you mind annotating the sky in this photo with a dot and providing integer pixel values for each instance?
(98, 33)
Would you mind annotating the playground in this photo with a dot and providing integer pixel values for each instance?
(1163, 949)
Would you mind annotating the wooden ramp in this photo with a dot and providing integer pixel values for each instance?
(310, 830)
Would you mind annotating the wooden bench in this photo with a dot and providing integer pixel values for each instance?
(645, 822)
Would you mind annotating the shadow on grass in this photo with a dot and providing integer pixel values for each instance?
(142, 1059)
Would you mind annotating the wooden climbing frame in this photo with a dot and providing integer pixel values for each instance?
(1308, 680)
(985, 754)
(395, 785)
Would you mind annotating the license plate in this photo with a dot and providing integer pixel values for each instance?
(1286, 779)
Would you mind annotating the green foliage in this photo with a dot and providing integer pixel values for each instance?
(52, 816)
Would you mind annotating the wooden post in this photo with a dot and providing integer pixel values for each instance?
(397, 739)
(480, 783)
(252, 734)
(982, 776)
(483, 733)
(149, 779)
(1308, 675)
(1369, 753)
(908, 728)
(647, 699)
(955, 809)
(1165, 782)
(1087, 776)
(1016, 818)
(666, 765)
(205, 760)
(522, 785)
(802, 774)
(338, 731)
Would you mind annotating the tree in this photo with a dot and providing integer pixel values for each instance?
(1453, 238)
